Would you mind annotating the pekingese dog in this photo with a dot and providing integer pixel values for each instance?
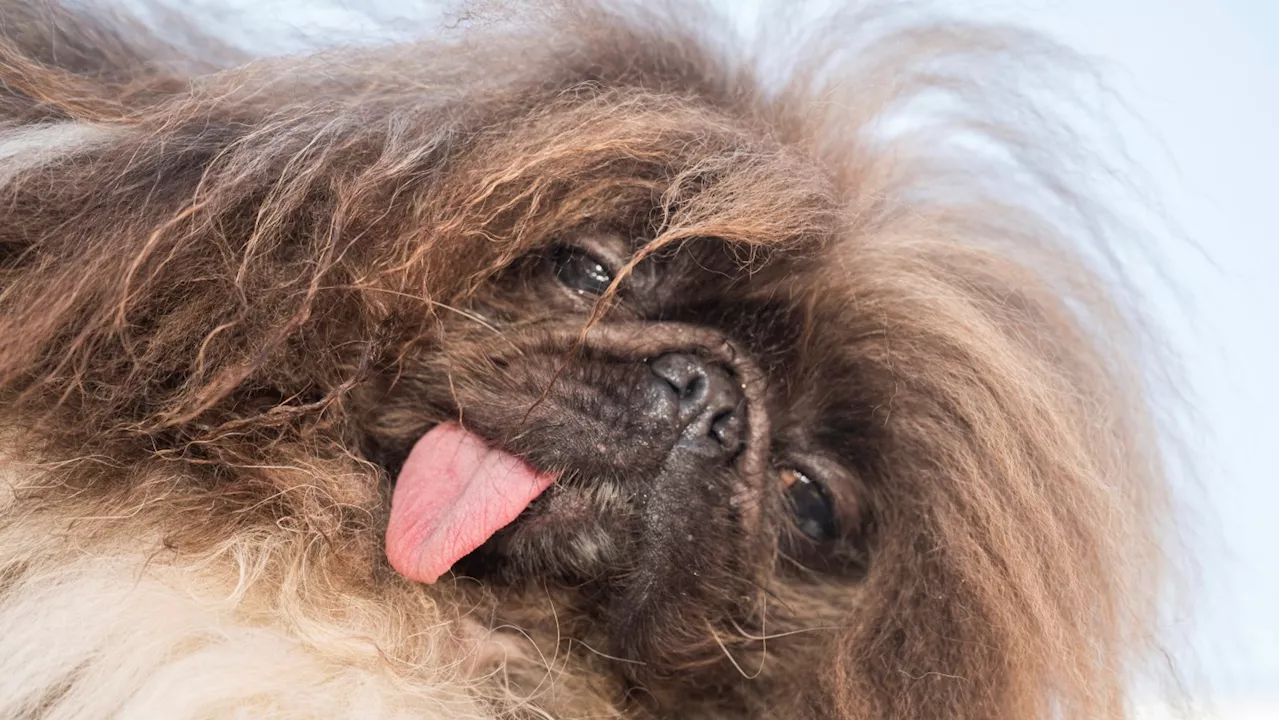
(563, 364)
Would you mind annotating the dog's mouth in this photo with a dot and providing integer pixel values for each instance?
(464, 504)
(644, 443)
(454, 492)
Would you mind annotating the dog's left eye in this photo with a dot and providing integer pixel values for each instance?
(810, 505)
(578, 270)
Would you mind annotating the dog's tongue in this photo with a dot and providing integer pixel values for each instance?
(454, 493)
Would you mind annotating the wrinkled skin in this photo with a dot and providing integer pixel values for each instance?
(670, 508)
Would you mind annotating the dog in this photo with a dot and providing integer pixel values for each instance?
(561, 364)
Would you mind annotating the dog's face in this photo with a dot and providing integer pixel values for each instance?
(694, 423)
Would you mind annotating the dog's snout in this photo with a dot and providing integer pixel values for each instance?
(710, 404)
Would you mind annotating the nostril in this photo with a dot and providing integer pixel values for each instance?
(726, 428)
(684, 373)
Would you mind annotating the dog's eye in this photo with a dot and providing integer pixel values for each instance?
(579, 271)
(810, 505)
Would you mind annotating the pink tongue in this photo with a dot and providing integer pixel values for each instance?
(454, 493)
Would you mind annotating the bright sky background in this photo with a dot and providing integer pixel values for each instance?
(1202, 79)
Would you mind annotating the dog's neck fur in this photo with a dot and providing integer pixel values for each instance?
(116, 626)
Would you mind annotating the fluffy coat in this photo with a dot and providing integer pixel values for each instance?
(208, 266)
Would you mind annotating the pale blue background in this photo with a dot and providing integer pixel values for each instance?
(1201, 77)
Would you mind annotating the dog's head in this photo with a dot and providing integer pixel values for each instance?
(768, 401)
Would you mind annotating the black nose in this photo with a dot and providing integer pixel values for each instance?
(709, 402)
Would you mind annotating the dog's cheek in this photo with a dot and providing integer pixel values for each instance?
(693, 569)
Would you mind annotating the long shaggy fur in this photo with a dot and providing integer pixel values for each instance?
(204, 262)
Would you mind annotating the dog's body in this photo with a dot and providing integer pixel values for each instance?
(813, 418)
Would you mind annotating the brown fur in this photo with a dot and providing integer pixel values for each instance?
(216, 319)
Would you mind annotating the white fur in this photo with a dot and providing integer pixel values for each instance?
(110, 628)
(31, 146)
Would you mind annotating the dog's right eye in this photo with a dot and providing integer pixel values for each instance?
(580, 271)
(810, 505)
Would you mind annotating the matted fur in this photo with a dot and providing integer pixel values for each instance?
(207, 263)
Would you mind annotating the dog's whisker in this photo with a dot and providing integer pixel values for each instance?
(720, 643)
(468, 314)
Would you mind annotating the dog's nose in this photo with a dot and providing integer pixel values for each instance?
(710, 402)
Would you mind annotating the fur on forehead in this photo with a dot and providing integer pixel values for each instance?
(228, 250)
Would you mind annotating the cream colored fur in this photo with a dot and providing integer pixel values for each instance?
(119, 628)
(28, 147)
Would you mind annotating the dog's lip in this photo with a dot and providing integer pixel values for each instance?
(568, 508)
